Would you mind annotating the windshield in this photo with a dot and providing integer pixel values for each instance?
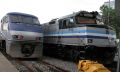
(23, 19)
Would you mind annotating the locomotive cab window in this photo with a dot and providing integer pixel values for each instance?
(71, 22)
(36, 21)
(27, 20)
(60, 24)
(63, 24)
(4, 20)
(14, 18)
(5, 23)
(5, 26)
(66, 23)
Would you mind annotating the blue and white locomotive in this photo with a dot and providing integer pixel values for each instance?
(80, 36)
(21, 35)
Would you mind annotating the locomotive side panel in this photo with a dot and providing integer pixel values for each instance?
(102, 37)
(50, 33)
(72, 36)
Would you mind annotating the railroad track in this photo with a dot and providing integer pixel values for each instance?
(33, 65)
(43, 66)
(54, 68)
(29, 67)
(39, 66)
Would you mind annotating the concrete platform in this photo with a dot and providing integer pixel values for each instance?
(5, 65)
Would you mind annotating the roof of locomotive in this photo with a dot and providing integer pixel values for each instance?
(72, 15)
(18, 13)
(77, 13)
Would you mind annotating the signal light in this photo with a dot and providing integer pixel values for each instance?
(19, 37)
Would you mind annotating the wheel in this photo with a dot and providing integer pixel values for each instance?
(73, 55)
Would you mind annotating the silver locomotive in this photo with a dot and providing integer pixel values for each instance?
(21, 35)
(80, 36)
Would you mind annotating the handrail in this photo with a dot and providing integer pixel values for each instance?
(118, 61)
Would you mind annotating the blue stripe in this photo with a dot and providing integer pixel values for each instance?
(83, 36)
(77, 30)
(80, 31)
(25, 27)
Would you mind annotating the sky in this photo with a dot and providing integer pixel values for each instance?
(46, 10)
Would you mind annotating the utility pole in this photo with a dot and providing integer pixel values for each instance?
(117, 9)
(109, 13)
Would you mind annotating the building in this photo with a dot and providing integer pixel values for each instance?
(117, 6)
(112, 4)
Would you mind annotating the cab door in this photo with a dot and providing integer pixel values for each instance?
(60, 31)
(65, 31)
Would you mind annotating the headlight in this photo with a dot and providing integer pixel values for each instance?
(18, 37)
(90, 40)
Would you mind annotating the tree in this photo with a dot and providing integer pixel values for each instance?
(111, 18)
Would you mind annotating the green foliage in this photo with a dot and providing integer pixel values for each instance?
(111, 18)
